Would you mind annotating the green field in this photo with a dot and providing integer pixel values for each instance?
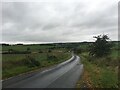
(24, 47)
(100, 72)
(12, 64)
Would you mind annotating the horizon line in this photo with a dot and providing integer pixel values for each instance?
(50, 42)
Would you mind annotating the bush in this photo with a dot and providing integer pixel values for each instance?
(40, 51)
(49, 51)
(31, 61)
(77, 50)
(101, 47)
(51, 57)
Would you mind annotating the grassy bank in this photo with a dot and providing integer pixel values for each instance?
(13, 63)
(99, 72)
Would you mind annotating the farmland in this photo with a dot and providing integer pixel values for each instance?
(99, 72)
(13, 63)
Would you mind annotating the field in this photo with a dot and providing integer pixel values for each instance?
(13, 64)
(24, 47)
(100, 72)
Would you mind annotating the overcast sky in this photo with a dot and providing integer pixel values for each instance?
(73, 21)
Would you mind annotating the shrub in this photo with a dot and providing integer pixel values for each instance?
(40, 51)
(49, 51)
(31, 61)
(101, 47)
(77, 50)
(28, 50)
(51, 57)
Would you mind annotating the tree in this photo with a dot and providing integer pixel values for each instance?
(101, 47)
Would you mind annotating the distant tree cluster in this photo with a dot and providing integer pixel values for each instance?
(3, 44)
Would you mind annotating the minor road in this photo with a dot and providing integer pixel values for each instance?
(64, 75)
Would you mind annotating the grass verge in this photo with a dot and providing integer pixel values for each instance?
(99, 72)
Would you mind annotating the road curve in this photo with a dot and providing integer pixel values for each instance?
(64, 75)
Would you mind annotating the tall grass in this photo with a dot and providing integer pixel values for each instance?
(100, 72)
(13, 64)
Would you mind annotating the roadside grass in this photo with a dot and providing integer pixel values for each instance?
(12, 64)
(99, 72)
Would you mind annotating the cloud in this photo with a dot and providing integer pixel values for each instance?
(58, 21)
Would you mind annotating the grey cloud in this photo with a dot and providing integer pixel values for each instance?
(55, 21)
